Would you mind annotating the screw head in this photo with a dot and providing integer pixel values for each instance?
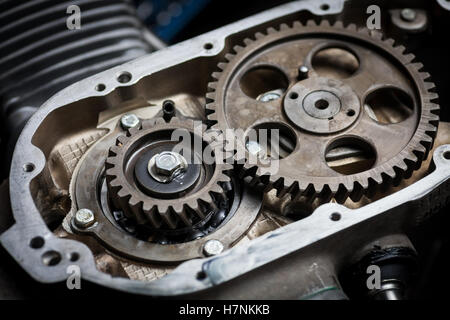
(270, 96)
(84, 218)
(408, 14)
(212, 248)
(129, 121)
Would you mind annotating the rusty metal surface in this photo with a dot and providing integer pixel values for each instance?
(305, 171)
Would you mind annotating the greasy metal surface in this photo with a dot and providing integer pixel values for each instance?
(188, 66)
(381, 65)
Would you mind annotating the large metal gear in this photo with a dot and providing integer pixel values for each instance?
(183, 203)
(326, 88)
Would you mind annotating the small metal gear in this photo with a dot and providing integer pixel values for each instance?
(169, 207)
(291, 98)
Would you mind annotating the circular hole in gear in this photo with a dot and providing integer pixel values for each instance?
(263, 80)
(350, 155)
(271, 140)
(335, 63)
(51, 258)
(389, 105)
(322, 104)
(447, 153)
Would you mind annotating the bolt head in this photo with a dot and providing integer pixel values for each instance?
(270, 96)
(84, 218)
(129, 121)
(167, 163)
(303, 69)
(212, 248)
(303, 72)
(408, 14)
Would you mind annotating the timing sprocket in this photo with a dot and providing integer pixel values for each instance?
(340, 97)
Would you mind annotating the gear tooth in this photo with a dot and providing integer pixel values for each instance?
(169, 218)
(297, 24)
(333, 187)
(229, 57)
(409, 58)
(377, 178)
(211, 95)
(283, 27)
(184, 216)
(311, 23)
(177, 207)
(212, 86)
(210, 108)
(376, 35)
(259, 35)
(154, 217)
(399, 174)
(432, 97)
(420, 148)
(417, 65)
(248, 41)
(390, 172)
(121, 140)
(224, 177)
(134, 130)
(338, 24)
(195, 210)
(425, 76)
(222, 66)
(217, 189)
(278, 185)
(390, 42)
(434, 109)
(216, 75)
(364, 182)
(325, 23)
(238, 48)
(147, 125)
(400, 49)
(161, 121)
(352, 27)
(429, 85)
(123, 193)
(271, 30)
(293, 189)
(114, 183)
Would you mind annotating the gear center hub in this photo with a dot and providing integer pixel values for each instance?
(322, 105)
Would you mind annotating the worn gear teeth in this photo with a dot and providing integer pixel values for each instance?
(393, 173)
(162, 213)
